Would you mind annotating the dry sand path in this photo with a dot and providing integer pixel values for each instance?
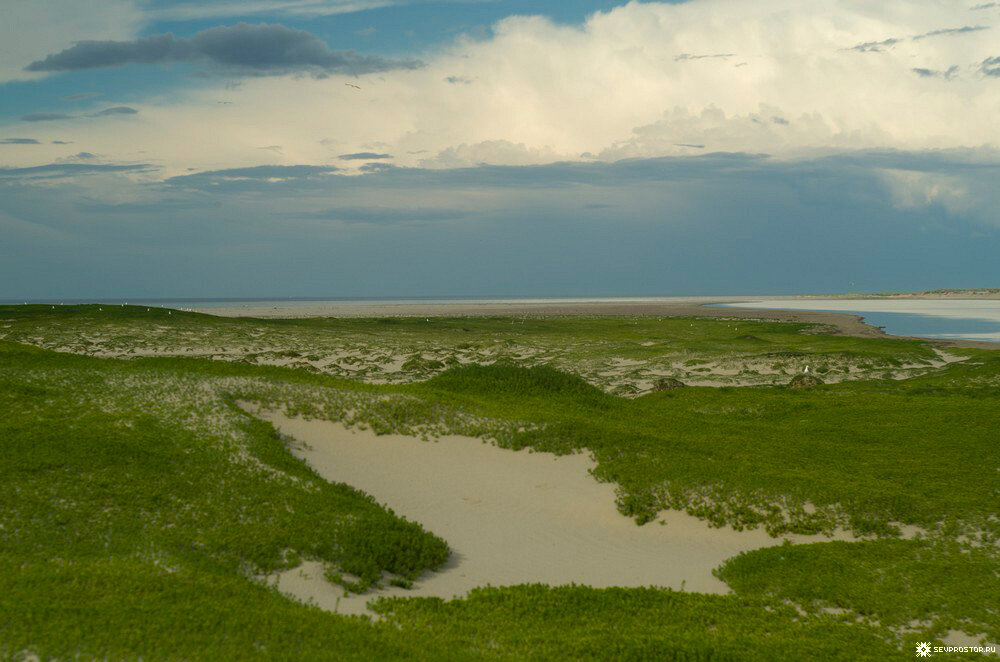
(509, 517)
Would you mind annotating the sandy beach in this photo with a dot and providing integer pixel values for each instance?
(509, 517)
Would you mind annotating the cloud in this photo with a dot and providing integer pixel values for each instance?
(58, 170)
(715, 56)
(242, 48)
(81, 96)
(880, 46)
(54, 117)
(490, 151)
(455, 80)
(116, 110)
(951, 31)
(990, 67)
(19, 141)
(360, 156)
(44, 117)
(948, 74)
(255, 175)
(875, 46)
(62, 142)
(610, 86)
(305, 8)
(714, 224)
(37, 28)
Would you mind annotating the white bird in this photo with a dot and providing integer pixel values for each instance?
(806, 370)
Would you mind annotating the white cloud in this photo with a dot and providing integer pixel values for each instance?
(628, 82)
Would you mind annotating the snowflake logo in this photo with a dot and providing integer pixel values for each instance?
(923, 649)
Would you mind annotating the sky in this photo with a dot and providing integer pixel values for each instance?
(384, 148)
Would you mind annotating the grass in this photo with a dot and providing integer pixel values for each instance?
(140, 501)
(861, 455)
(622, 355)
(932, 585)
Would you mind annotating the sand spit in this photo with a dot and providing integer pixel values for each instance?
(675, 307)
(509, 517)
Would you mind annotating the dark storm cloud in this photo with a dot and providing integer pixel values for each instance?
(362, 156)
(680, 225)
(241, 48)
(19, 141)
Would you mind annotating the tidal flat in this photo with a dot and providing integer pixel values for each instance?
(156, 477)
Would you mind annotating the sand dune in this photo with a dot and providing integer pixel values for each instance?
(509, 517)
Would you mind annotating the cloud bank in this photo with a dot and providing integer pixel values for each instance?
(241, 48)
(642, 80)
(717, 223)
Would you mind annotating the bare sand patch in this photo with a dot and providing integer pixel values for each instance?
(961, 639)
(509, 517)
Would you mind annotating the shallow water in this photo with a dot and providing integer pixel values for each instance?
(952, 319)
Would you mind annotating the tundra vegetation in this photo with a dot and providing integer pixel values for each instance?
(140, 502)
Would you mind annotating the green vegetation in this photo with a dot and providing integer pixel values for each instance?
(861, 455)
(576, 622)
(928, 585)
(140, 502)
(622, 355)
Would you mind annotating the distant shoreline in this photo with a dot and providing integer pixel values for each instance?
(199, 302)
(841, 323)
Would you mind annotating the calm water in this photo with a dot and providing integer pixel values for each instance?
(955, 319)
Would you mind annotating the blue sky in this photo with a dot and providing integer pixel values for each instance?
(381, 148)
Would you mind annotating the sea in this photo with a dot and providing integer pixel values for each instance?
(950, 319)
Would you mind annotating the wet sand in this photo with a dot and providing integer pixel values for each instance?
(509, 517)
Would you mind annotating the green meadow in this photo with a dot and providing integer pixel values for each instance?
(140, 505)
